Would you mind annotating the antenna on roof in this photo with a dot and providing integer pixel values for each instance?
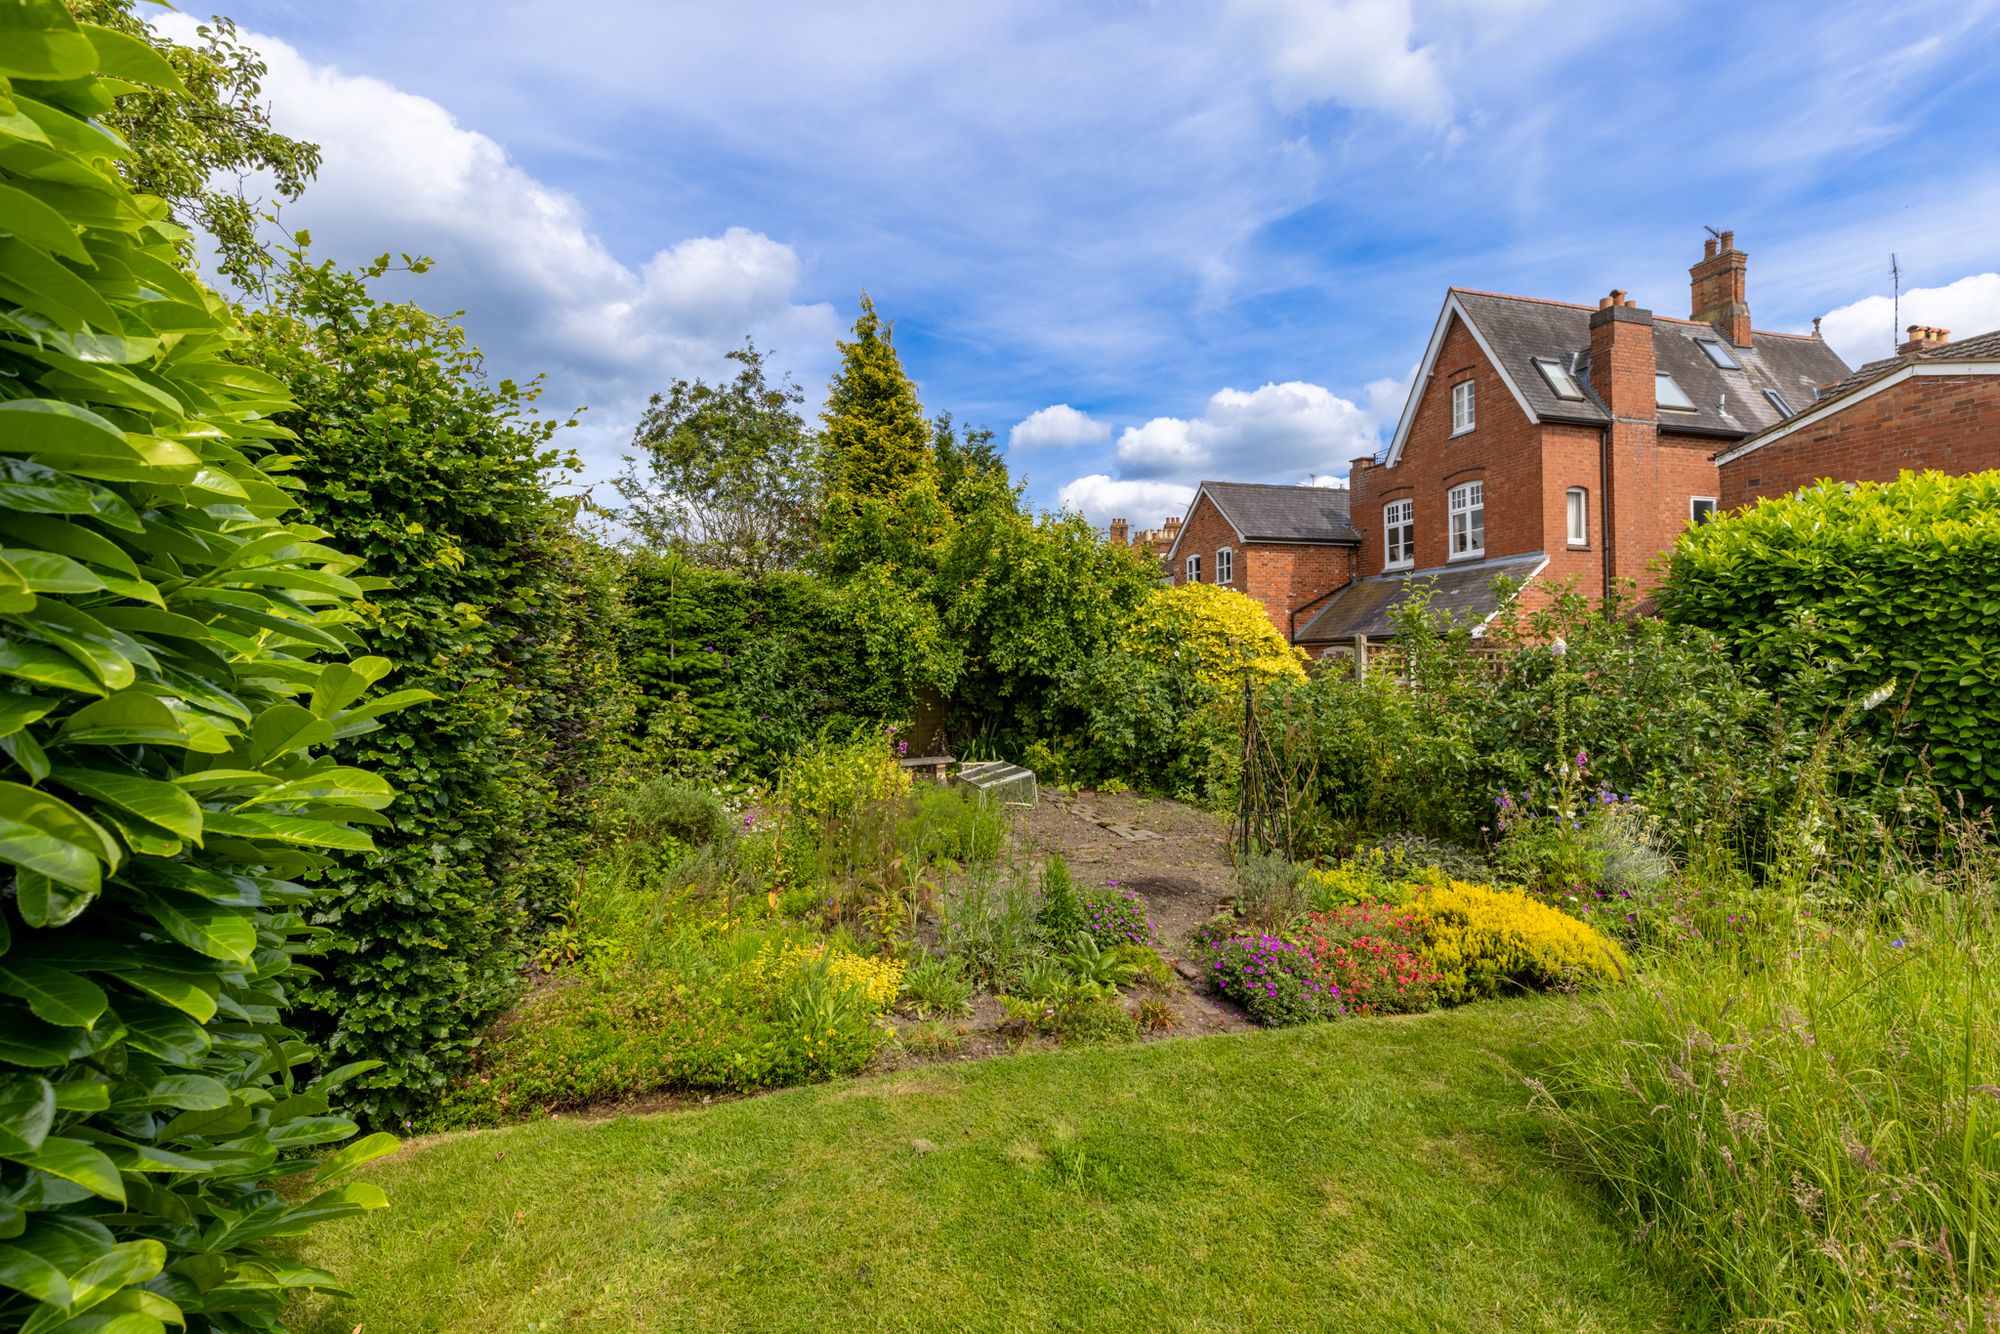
(1895, 301)
(1712, 232)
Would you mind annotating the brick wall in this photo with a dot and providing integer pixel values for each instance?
(1285, 577)
(1947, 423)
(1503, 449)
(1655, 488)
(1282, 576)
(1204, 532)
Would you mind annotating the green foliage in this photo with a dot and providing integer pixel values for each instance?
(732, 671)
(199, 129)
(662, 809)
(1804, 1117)
(165, 731)
(438, 476)
(935, 985)
(1059, 914)
(877, 443)
(1270, 889)
(986, 924)
(1840, 592)
(730, 472)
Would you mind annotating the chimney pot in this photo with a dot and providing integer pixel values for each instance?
(1603, 302)
(1630, 303)
(1708, 248)
(1729, 240)
(1617, 296)
(1924, 338)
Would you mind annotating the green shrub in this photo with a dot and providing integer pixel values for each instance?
(953, 825)
(1276, 980)
(1487, 942)
(935, 985)
(1270, 889)
(1885, 591)
(1805, 1116)
(665, 808)
(1073, 1017)
(986, 923)
(1059, 915)
(166, 726)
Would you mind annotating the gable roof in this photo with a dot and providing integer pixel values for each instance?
(1978, 355)
(1263, 512)
(1368, 606)
(1513, 331)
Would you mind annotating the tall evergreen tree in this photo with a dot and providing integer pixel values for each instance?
(878, 445)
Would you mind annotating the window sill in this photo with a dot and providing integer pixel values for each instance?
(1465, 556)
(1390, 567)
(1464, 430)
(1578, 546)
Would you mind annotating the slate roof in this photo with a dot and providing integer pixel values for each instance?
(1364, 606)
(1727, 403)
(1978, 348)
(1271, 513)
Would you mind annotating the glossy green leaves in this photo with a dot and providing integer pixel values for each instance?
(164, 718)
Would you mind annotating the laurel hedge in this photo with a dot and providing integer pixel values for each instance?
(171, 674)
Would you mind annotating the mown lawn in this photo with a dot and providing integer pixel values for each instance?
(1367, 1175)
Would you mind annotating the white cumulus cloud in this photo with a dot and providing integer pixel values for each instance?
(540, 290)
(1861, 331)
(1102, 498)
(1292, 429)
(1058, 426)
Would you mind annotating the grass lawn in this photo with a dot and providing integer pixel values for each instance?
(1366, 1175)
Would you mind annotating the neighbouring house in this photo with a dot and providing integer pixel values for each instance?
(1547, 441)
(1159, 540)
(1289, 547)
(1934, 405)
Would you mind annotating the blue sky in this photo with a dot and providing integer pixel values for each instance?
(1146, 243)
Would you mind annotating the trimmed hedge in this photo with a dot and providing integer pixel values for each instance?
(1841, 591)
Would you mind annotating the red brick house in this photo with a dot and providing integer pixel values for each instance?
(1934, 405)
(1547, 441)
(1287, 546)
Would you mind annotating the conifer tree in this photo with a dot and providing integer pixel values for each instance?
(876, 439)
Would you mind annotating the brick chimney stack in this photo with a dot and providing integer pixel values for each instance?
(1621, 357)
(1718, 285)
(1924, 338)
(1121, 533)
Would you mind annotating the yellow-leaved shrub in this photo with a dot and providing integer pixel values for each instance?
(879, 980)
(1491, 942)
(1224, 633)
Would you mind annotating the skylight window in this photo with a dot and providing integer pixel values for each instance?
(1718, 354)
(1670, 395)
(1777, 400)
(1561, 382)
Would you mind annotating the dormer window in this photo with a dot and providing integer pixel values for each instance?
(1561, 383)
(1777, 400)
(1461, 407)
(1718, 354)
(1669, 394)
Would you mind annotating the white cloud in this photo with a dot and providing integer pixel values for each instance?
(1058, 426)
(1357, 53)
(1327, 480)
(1861, 331)
(1101, 498)
(1281, 430)
(540, 289)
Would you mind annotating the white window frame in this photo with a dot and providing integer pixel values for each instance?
(1466, 504)
(1225, 566)
(1724, 359)
(1694, 515)
(1560, 382)
(1780, 404)
(1194, 569)
(1399, 514)
(1464, 407)
(1576, 503)
(1662, 379)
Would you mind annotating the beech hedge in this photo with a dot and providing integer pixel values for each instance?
(1877, 594)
